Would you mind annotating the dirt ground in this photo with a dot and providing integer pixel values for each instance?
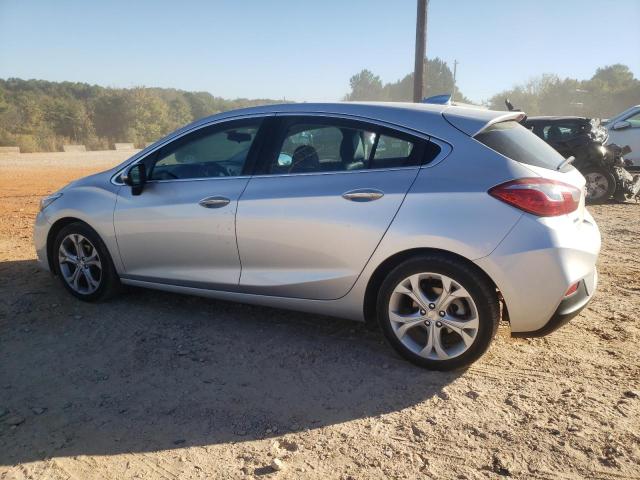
(155, 385)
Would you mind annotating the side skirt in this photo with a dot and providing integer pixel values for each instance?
(334, 308)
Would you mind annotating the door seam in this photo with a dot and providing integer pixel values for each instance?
(384, 234)
(235, 226)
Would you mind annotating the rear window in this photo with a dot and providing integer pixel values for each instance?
(517, 143)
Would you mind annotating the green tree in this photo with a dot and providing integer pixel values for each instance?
(148, 116)
(110, 112)
(179, 113)
(41, 115)
(611, 90)
(365, 86)
(4, 106)
(438, 80)
(68, 118)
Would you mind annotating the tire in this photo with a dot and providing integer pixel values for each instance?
(96, 278)
(472, 309)
(601, 185)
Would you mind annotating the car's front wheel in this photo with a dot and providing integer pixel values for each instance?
(600, 184)
(438, 312)
(83, 263)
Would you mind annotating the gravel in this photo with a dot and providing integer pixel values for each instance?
(124, 399)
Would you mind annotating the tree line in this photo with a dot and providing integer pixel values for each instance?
(365, 85)
(609, 91)
(38, 115)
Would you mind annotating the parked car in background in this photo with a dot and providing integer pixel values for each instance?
(295, 206)
(602, 162)
(624, 129)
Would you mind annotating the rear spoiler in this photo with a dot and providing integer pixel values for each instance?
(473, 121)
(503, 118)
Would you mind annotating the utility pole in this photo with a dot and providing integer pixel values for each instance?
(455, 86)
(421, 46)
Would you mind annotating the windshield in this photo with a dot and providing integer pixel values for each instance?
(517, 143)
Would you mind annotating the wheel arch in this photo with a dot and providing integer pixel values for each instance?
(382, 270)
(53, 232)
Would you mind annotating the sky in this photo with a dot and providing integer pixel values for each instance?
(307, 50)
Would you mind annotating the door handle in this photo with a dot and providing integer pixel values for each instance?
(214, 202)
(363, 195)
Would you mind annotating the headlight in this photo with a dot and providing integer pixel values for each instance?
(46, 201)
(603, 150)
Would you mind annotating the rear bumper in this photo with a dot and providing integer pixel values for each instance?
(536, 263)
(568, 308)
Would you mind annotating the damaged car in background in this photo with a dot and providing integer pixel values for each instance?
(602, 164)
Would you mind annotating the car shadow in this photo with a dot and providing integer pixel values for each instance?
(152, 370)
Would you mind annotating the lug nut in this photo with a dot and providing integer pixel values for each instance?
(432, 306)
(427, 323)
(423, 312)
(438, 324)
(442, 314)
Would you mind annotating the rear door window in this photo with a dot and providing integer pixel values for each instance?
(313, 145)
(517, 143)
(311, 148)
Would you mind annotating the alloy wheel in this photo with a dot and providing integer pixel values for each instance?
(80, 264)
(433, 316)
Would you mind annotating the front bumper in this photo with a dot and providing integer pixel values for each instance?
(40, 232)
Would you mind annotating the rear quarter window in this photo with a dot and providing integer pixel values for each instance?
(517, 143)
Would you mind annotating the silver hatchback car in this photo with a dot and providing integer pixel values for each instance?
(432, 221)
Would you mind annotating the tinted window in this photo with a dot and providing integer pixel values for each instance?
(308, 147)
(516, 142)
(559, 132)
(212, 152)
(391, 151)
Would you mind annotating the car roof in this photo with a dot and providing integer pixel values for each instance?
(431, 119)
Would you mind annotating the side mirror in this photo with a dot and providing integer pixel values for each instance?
(135, 176)
(621, 125)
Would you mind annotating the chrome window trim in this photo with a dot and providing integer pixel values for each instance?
(198, 179)
(445, 148)
(335, 172)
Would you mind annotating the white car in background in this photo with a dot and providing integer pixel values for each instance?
(624, 129)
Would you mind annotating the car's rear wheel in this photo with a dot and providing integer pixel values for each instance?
(600, 185)
(83, 263)
(438, 312)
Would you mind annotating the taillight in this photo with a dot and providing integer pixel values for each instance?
(539, 196)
